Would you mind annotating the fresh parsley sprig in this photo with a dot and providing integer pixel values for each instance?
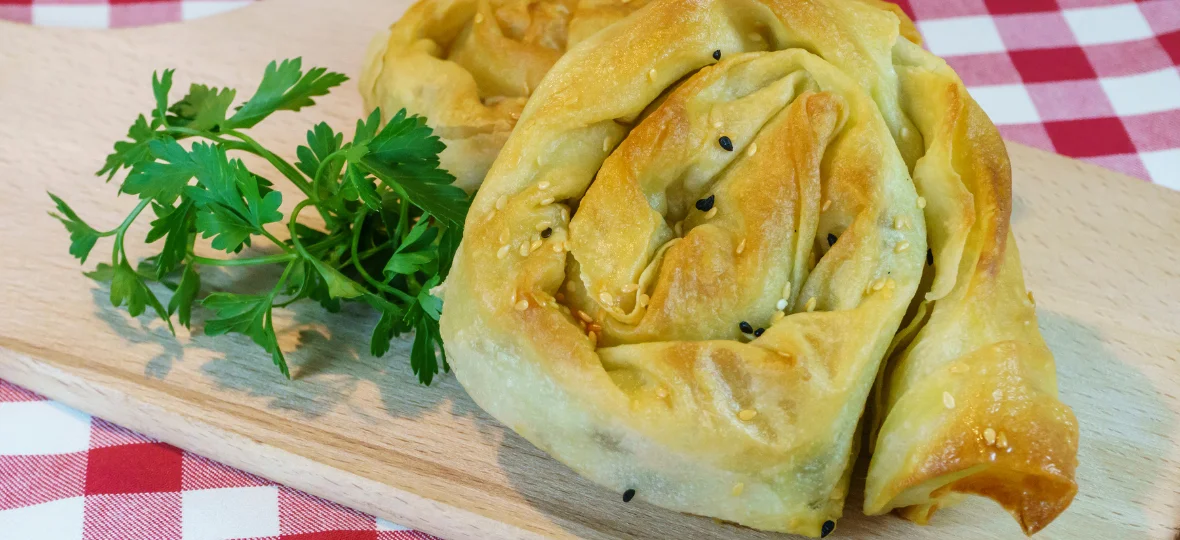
(392, 218)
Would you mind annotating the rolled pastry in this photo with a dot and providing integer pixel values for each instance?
(685, 267)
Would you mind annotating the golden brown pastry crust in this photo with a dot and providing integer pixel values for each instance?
(468, 66)
(594, 308)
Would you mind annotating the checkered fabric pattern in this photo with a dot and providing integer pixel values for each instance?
(1090, 79)
(111, 13)
(65, 475)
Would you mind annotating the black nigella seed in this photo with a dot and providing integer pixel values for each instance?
(745, 327)
(827, 529)
(628, 495)
(758, 332)
(725, 143)
(929, 257)
(717, 54)
(548, 231)
(831, 239)
(706, 204)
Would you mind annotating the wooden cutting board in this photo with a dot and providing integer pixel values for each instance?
(1101, 251)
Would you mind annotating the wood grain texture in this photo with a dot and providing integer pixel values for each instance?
(1101, 251)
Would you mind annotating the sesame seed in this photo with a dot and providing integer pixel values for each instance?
(584, 316)
(593, 339)
(565, 213)
(787, 290)
(628, 495)
(630, 287)
(541, 159)
(781, 305)
(679, 228)
(543, 185)
(478, 18)
(929, 257)
(741, 246)
(745, 327)
(542, 225)
(547, 232)
(717, 54)
(810, 304)
(504, 234)
(547, 201)
(747, 414)
(878, 284)
(643, 299)
(921, 202)
(905, 132)
(827, 529)
(569, 286)
(948, 400)
(491, 214)
(652, 74)
(753, 149)
(1031, 300)
(826, 206)
(989, 435)
(726, 143)
(900, 223)
(901, 246)
(712, 212)
(754, 37)
(889, 283)
(594, 327)
(524, 249)
(831, 239)
(522, 305)
(558, 247)
(758, 332)
(503, 252)
(706, 203)
(717, 124)
(606, 144)
(1001, 441)
(535, 245)
(661, 392)
(778, 316)
(501, 202)
(738, 488)
(559, 297)
(606, 298)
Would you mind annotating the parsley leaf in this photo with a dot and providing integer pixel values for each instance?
(82, 236)
(128, 153)
(161, 180)
(203, 108)
(186, 293)
(285, 87)
(128, 288)
(161, 85)
(230, 205)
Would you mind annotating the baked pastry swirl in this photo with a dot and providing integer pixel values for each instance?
(687, 265)
(468, 66)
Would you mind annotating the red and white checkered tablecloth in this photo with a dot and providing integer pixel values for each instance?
(1091, 79)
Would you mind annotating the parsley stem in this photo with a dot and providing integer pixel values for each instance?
(122, 229)
(320, 169)
(279, 163)
(357, 222)
(291, 226)
(247, 261)
(277, 242)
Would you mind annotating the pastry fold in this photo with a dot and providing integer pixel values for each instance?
(469, 66)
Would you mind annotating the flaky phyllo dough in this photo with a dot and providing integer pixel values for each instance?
(684, 276)
(469, 66)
